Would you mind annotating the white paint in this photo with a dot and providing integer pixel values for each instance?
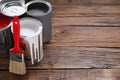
(36, 12)
(27, 32)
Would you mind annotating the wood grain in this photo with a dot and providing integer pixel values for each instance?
(78, 11)
(88, 74)
(85, 2)
(75, 57)
(88, 21)
(85, 36)
(85, 43)
(85, 15)
(79, 57)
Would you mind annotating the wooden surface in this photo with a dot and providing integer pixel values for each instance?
(85, 43)
(78, 74)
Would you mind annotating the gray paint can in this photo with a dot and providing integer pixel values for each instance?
(41, 10)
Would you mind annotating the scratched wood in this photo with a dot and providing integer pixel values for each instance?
(71, 13)
(85, 43)
(86, 15)
(85, 36)
(81, 11)
(78, 74)
(85, 2)
(75, 57)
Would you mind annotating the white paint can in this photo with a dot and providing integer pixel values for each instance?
(31, 33)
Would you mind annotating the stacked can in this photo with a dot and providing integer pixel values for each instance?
(35, 27)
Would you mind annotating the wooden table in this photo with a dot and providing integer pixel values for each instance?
(85, 43)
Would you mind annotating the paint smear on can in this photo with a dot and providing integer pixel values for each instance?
(4, 21)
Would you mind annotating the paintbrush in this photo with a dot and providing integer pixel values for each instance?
(17, 64)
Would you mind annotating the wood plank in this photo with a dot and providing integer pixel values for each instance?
(88, 21)
(89, 74)
(85, 11)
(75, 57)
(85, 36)
(87, 2)
(87, 15)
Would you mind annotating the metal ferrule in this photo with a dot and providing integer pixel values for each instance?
(17, 57)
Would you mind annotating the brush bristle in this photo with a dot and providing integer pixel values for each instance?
(17, 67)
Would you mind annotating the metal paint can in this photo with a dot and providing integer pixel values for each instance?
(31, 33)
(6, 37)
(41, 10)
(12, 7)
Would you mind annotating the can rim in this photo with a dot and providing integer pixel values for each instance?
(41, 1)
(5, 5)
(38, 31)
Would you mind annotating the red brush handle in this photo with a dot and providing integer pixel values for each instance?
(16, 31)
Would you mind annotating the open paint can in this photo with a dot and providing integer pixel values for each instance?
(41, 10)
(31, 33)
(12, 7)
